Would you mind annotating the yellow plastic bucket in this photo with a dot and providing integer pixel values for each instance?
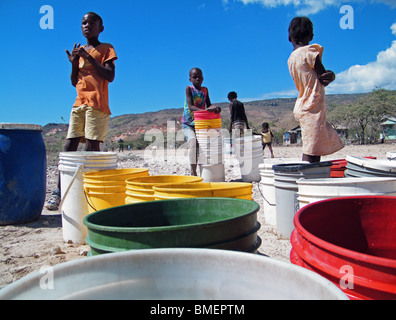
(106, 189)
(207, 124)
(101, 200)
(239, 190)
(115, 176)
(141, 189)
(103, 197)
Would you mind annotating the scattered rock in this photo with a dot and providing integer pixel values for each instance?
(83, 252)
(56, 250)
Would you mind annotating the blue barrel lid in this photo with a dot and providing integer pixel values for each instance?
(294, 167)
(20, 126)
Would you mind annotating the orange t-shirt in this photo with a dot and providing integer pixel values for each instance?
(92, 90)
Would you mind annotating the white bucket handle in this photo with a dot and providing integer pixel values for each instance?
(265, 199)
(80, 166)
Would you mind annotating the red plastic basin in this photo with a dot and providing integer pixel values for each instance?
(352, 242)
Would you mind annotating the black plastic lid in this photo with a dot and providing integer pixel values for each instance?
(294, 167)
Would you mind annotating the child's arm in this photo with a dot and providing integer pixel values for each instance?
(230, 108)
(210, 107)
(106, 71)
(246, 120)
(325, 76)
(74, 59)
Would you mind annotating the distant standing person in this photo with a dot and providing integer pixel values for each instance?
(267, 137)
(310, 77)
(197, 99)
(239, 121)
(120, 145)
(92, 70)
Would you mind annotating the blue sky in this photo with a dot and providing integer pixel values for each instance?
(241, 45)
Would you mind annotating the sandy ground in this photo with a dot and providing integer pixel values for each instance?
(27, 247)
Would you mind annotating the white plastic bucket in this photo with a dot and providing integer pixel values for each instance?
(176, 274)
(268, 192)
(74, 205)
(211, 151)
(391, 155)
(267, 188)
(286, 190)
(210, 143)
(363, 167)
(249, 152)
(212, 172)
(228, 145)
(320, 189)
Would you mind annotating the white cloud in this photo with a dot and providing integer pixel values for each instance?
(391, 3)
(292, 93)
(307, 7)
(393, 28)
(364, 78)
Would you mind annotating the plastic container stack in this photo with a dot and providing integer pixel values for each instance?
(210, 140)
(106, 188)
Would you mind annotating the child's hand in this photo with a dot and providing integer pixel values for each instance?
(326, 78)
(82, 53)
(214, 109)
(74, 56)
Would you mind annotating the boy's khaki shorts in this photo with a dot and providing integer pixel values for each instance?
(88, 122)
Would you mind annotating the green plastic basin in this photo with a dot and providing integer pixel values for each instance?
(221, 223)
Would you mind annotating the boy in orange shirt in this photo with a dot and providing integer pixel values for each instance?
(92, 70)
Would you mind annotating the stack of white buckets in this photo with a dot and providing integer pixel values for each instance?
(74, 205)
(210, 141)
(267, 187)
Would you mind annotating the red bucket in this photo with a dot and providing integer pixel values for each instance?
(205, 115)
(337, 170)
(351, 241)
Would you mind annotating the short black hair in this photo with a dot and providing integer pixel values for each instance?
(96, 17)
(300, 28)
(265, 125)
(197, 70)
(232, 95)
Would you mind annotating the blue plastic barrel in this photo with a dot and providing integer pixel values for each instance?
(22, 173)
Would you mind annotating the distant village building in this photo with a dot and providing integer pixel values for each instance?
(342, 132)
(388, 128)
(293, 136)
